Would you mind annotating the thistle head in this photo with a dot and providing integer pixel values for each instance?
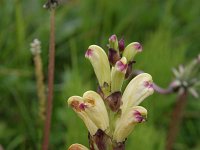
(187, 77)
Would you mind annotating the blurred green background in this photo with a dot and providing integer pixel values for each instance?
(168, 30)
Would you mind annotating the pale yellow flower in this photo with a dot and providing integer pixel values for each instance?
(131, 50)
(127, 122)
(91, 109)
(100, 63)
(77, 147)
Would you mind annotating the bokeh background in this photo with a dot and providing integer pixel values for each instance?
(168, 30)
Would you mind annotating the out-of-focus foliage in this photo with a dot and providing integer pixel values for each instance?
(168, 30)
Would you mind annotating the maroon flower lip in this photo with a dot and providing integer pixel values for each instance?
(148, 84)
(82, 106)
(139, 117)
(138, 46)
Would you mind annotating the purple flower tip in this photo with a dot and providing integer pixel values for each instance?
(113, 38)
(121, 66)
(138, 47)
(138, 116)
(88, 53)
(82, 106)
(148, 84)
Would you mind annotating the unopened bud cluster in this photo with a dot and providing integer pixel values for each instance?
(35, 47)
(109, 115)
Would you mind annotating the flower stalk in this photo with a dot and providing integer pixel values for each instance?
(45, 144)
(177, 116)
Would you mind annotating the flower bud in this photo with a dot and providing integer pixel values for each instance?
(131, 50)
(35, 47)
(117, 74)
(129, 69)
(113, 42)
(113, 56)
(121, 45)
(137, 90)
(77, 147)
(100, 63)
(127, 121)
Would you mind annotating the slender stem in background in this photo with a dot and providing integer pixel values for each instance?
(50, 81)
(176, 120)
(160, 90)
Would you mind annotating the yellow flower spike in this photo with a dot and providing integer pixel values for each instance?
(96, 110)
(77, 104)
(117, 74)
(131, 50)
(77, 147)
(137, 90)
(100, 63)
(127, 122)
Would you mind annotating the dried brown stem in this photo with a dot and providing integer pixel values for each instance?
(176, 120)
(50, 81)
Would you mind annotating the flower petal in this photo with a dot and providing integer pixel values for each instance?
(117, 74)
(137, 90)
(131, 50)
(96, 109)
(100, 63)
(77, 147)
(127, 121)
(77, 103)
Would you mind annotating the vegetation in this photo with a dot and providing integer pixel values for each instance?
(168, 30)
